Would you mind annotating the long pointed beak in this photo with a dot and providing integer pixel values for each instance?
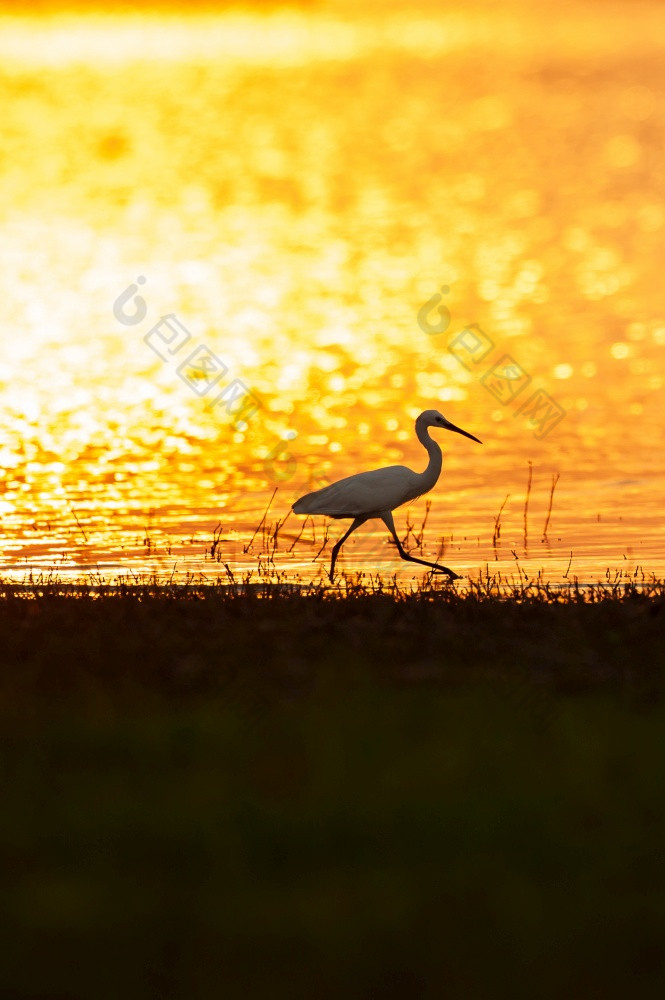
(458, 430)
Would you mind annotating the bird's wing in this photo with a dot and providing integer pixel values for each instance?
(366, 494)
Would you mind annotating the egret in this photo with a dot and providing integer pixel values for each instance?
(377, 493)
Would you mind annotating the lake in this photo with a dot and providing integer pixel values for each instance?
(241, 252)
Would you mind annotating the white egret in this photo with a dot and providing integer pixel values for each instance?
(376, 494)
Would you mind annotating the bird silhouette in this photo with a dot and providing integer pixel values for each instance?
(377, 493)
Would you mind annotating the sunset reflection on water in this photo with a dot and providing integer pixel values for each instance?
(294, 188)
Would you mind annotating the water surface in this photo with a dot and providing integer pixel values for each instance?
(294, 188)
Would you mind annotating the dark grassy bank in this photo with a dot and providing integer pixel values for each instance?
(207, 794)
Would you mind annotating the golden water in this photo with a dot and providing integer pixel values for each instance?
(294, 188)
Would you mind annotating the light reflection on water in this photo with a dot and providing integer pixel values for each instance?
(295, 212)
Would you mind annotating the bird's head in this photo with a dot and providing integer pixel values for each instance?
(432, 418)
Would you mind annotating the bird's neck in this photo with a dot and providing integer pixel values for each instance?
(431, 474)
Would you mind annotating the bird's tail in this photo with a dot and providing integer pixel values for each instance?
(302, 506)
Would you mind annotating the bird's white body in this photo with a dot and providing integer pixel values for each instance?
(367, 494)
(377, 493)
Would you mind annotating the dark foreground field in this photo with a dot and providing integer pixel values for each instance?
(218, 795)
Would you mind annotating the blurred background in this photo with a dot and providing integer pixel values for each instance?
(347, 214)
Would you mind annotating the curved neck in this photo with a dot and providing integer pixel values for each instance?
(433, 470)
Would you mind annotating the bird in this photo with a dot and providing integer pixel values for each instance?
(376, 494)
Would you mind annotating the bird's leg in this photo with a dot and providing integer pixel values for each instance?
(337, 546)
(390, 525)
